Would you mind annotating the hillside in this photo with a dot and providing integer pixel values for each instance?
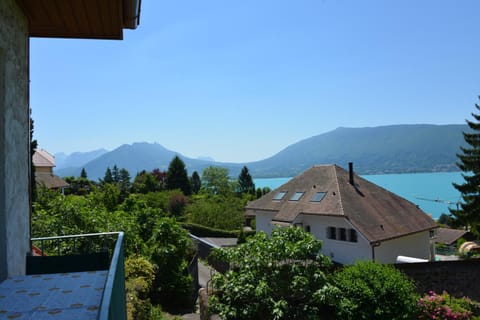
(377, 150)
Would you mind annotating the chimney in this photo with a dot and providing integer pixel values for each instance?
(350, 171)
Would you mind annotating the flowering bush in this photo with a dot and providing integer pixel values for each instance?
(443, 306)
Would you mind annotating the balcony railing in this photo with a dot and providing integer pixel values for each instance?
(86, 252)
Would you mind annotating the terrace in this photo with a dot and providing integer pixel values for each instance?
(74, 277)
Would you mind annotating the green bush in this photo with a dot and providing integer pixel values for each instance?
(373, 291)
(139, 276)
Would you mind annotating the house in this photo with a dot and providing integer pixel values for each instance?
(44, 163)
(20, 20)
(355, 219)
(449, 237)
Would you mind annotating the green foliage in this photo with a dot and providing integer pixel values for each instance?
(139, 276)
(373, 291)
(469, 212)
(196, 182)
(245, 182)
(216, 211)
(277, 277)
(215, 181)
(168, 248)
(444, 306)
(177, 177)
(146, 182)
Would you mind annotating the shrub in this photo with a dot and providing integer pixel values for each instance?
(443, 306)
(373, 291)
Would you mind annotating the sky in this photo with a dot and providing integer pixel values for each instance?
(240, 80)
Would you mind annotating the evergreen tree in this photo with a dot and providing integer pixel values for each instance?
(468, 213)
(177, 177)
(245, 182)
(115, 174)
(196, 182)
(108, 178)
(83, 174)
(124, 183)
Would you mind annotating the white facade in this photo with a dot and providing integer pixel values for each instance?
(348, 251)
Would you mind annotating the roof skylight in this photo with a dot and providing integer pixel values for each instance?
(317, 197)
(280, 195)
(297, 195)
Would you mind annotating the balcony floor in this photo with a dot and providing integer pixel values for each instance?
(75, 295)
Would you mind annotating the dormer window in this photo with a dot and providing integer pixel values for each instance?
(317, 197)
(296, 196)
(280, 195)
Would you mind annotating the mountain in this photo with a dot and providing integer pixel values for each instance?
(375, 150)
(137, 157)
(76, 159)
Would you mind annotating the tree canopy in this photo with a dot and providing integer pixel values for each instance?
(468, 214)
(245, 182)
(177, 177)
(277, 277)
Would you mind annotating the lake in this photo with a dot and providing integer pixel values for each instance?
(432, 192)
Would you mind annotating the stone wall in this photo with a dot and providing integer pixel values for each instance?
(459, 278)
(14, 139)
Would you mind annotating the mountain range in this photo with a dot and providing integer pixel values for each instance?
(373, 150)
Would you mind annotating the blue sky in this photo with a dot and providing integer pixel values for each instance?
(241, 80)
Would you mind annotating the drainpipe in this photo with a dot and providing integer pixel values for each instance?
(350, 172)
(374, 244)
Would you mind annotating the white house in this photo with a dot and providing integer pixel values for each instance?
(355, 219)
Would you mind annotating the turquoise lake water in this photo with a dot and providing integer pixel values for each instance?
(432, 192)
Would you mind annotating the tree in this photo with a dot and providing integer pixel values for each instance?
(215, 180)
(83, 174)
(370, 290)
(468, 212)
(245, 182)
(124, 183)
(115, 174)
(144, 182)
(195, 182)
(277, 277)
(177, 177)
(108, 178)
(169, 248)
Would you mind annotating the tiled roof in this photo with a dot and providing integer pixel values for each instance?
(450, 236)
(375, 212)
(50, 181)
(42, 158)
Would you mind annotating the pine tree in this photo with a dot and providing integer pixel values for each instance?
(468, 213)
(115, 174)
(177, 177)
(245, 182)
(108, 176)
(196, 182)
(83, 174)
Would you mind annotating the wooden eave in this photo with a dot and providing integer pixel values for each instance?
(90, 19)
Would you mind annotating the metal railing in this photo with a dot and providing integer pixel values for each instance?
(113, 303)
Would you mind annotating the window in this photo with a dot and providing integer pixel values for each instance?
(343, 234)
(280, 195)
(296, 196)
(307, 229)
(317, 197)
(353, 235)
(332, 233)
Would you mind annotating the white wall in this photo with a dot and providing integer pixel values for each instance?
(344, 252)
(263, 221)
(416, 245)
(14, 140)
